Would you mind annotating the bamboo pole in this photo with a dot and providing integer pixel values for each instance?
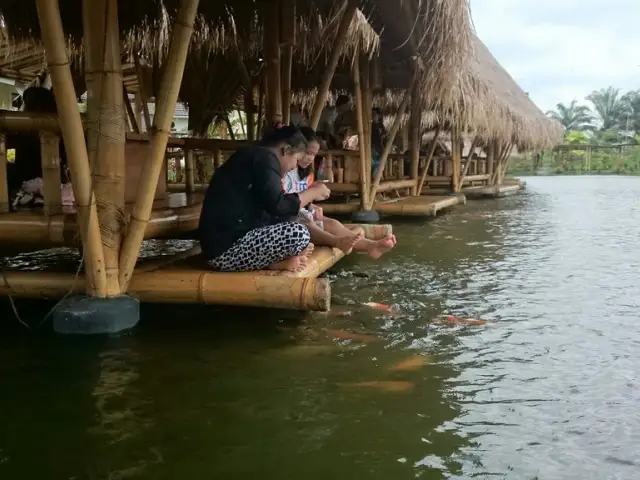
(415, 133)
(360, 125)
(491, 156)
(249, 112)
(288, 38)
(272, 50)
(130, 112)
(4, 185)
(389, 145)
(55, 45)
(336, 51)
(142, 92)
(165, 105)
(189, 171)
(476, 139)
(506, 164)
(432, 149)
(456, 158)
(50, 156)
(261, 101)
(367, 114)
(106, 126)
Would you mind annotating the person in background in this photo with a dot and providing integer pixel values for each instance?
(27, 166)
(297, 117)
(344, 126)
(245, 223)
(325, 125)
(327, 231)
(378, 139)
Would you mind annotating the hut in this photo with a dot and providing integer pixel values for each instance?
(84, 49)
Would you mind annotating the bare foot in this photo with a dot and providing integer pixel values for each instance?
(291, 264)
(380, 247)
(347, 243)
(307, 251)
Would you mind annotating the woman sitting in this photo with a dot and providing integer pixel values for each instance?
(245, 223)
(327, 231)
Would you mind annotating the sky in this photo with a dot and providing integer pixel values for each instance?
(560, 50)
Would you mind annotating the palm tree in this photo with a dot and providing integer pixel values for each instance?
(611, 109)
(573, 116)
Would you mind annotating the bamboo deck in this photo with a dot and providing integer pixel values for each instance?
(495, 191)
(425, 206)
(182, 282)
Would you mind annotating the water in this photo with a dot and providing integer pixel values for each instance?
(548, 389)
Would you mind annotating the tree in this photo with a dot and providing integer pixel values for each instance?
(610, 107)
(576, 137)
(632, 99)
(572, 117)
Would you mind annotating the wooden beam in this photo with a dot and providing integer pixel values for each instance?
(456, 158)
(132, 115)
(336, 51)
(272, 50)
(4, 181)
(415, 133)
(469, 158)
(142, 91)
(288, 37)
(189, 171)
(432, 149)
(165, 107)
(55, 43)
(364, 174)
(51, 184)
(389, 145)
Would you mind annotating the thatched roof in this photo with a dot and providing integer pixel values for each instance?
(501, 109)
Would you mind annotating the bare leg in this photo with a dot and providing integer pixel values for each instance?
(344, 242)
(375, 248)
(294, 264)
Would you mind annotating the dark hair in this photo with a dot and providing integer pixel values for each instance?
(342, 100)
(311, 136)
(288, 136)
(39, 99)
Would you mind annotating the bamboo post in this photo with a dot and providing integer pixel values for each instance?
(189, 171)
(469, 158)
(367, 115)
(491, 156)
(432, 149)
(55, 45)
(272, 50)
(142, 92)
(249, 112)
(137, 108)
(498, 162)
(50, 155)
(106, 122)
(456, 158)
(217, 155)
(364, 175)
(415, 134)
(288, 38)
(389, 145)
(130, 112)
(336, 51)
(4, 181)
(165, 106)
(506, 164)
(261, 101)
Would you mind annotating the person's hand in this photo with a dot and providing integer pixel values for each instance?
(318, 214)
(320, 191)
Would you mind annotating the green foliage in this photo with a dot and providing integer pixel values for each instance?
(611, 108)
(624, 161)
(573, 116)
(576, 137)
(11, 155)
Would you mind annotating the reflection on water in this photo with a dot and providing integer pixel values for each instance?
(546, 389)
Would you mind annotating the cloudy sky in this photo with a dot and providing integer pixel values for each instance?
(558, 50)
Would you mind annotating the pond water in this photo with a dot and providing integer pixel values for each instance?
(547, 389)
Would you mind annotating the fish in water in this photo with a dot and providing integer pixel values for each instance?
(453, 320)
(409, 364)
(384, 385)
(381, 306)
(347, 335)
